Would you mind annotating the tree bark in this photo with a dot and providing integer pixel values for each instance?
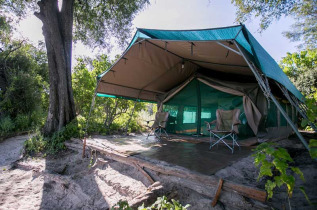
(57, 31)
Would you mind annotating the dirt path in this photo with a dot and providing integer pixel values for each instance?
(11, 151)
(65, 181)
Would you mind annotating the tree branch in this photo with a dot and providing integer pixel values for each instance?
(12, 50)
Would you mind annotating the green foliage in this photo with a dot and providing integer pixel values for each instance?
(121, 205)
(71, 130)
(275, 164)
(21, 96)
(95, 21)
(311, 102)
(305, 26)
(313, 148)
(22, 122)
(109, 114)
(301, 68)
(304, 12)
(24, 85)
(160, 204)
(6, 125)
(35, 144)
(55, 143)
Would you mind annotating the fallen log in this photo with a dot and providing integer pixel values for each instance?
(147, 197)
(144, 173)
(172, 170)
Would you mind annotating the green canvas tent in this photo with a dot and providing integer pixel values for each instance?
(191, 73)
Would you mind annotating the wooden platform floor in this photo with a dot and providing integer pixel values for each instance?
(191, 154)
(198, 139)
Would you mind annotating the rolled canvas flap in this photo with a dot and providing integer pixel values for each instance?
(252, 113)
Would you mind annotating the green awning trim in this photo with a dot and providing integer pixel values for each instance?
(239, 33)
(121, 97)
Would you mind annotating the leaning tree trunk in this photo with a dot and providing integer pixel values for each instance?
(57, 30)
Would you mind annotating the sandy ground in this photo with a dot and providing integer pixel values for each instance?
(66, 181)
(11, 150)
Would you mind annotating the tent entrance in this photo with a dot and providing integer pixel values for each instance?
(197, 103)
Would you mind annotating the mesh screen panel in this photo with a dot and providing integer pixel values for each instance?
(197, 103)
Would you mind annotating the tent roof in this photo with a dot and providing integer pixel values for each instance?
(158, 60)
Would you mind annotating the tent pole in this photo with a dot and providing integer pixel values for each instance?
(294, 102)
(269, 93)
(91, 108)
(126, 127)
(198, 108)
(229, 48)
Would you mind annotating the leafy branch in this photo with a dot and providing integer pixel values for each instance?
(160, 204)
(275, 163)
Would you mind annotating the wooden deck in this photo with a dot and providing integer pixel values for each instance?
(121, 150)
(199, 139)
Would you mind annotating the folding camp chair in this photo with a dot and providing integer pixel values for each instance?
(159, 124)
(226, 126)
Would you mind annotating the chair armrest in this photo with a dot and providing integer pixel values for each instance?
(234, 124)
(212, 122)
(208, 124)
(162, 122)
(237, 123)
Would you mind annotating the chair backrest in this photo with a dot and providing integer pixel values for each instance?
(160, 119)
(226, 118)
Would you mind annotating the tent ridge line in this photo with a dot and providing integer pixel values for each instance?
(173, 40)
(202, 29)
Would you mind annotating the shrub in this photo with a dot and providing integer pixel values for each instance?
(313, 148)
(6, 125)
(35, 144)
(160, 204)
(55, 143)
(275, 164)
(22, 122)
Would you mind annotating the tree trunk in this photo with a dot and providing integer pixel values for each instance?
(57, 31)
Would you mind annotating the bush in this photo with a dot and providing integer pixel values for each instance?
(160, 204)
(6, 125)
(35, 144)
(37, 119)
(275, 163)
(22, 122)
(55, 143)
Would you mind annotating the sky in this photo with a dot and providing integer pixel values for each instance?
(183, 14)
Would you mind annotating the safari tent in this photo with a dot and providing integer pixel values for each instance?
(192, 73)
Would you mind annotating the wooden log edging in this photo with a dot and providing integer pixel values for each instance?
(172, 170)
(214, 201)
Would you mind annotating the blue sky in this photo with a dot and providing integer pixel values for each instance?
(186, 14)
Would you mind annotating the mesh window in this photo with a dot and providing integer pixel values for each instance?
(183, 108)
(271, 120)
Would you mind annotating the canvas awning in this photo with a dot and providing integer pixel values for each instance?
(158, 60)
